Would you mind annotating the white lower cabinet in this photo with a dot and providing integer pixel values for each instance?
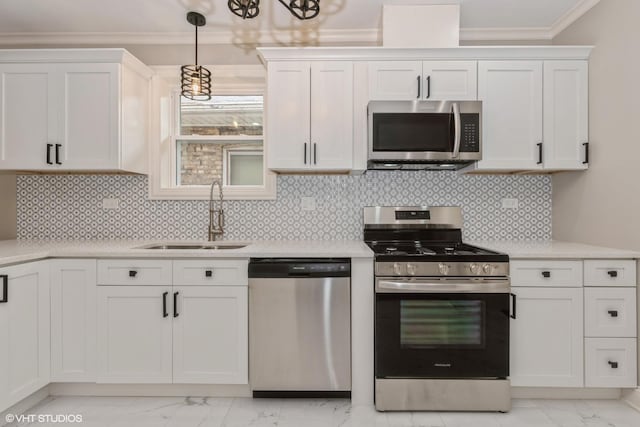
(134, 334)
(24, 331)
(191, 328)
(611, 362)
(210, 335)
(547, 338)
(73, 320)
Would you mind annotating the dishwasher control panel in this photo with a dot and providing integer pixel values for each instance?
(296, 267)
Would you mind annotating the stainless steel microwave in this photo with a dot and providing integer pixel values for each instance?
(424, 134)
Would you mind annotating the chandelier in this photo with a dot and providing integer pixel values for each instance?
(301, 9)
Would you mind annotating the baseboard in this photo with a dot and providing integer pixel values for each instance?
(25, 404)
(632, 398)
(152, 390)
(565, 393)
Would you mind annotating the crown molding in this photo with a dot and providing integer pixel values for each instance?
(571, 16)
(307, 36)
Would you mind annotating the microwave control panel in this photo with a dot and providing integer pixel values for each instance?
(470, 138)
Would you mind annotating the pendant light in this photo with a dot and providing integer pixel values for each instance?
(195, 79)
(301, 9)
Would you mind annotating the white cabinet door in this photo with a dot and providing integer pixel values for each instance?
(546, 338)
(288, 115)
(73, 320)
(28, 116)
(332, 115)
(210, 335)
(89, 116)
(24, 331)
(566, 114)
(134, 334)
(395, 80)
(511, 92)
(450, 80)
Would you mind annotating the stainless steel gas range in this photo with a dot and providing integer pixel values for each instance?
(441, 313)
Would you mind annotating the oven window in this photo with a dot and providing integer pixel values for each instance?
(437, 323)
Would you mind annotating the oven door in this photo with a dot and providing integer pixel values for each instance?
(441, 328)
(424, 131)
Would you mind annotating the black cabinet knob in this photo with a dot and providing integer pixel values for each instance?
(613, 313)
(546, 274)
(612, 273)
(613, 365)
(208, 273)
(133, 273)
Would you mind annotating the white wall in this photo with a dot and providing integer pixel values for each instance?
(602, 205)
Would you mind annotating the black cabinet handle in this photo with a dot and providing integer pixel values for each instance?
(58, 162)
(208, 273)
(175, 304)
(513, 306)
(612, 273)
(133, 273)
(614, 365)
(315, 153)
(5, 288)
(539, 144)
(586, 153)
(428, 87)
(546, 274)
(164, 304)
(49, 147)
(613, 313)
(305, 153)
(419, 86)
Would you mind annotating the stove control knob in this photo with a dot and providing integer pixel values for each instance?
(444, 269)
(475, 268)
(397, 269)
(411, 269)
(487, 268)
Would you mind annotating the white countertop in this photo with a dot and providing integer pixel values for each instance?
(553, 249)
(17, 251)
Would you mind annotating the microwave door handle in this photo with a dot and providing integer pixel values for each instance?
(457, 126)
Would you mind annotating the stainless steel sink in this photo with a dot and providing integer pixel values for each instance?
(196, 246)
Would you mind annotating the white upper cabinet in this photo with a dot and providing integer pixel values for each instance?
(566, 115)
(511, 95)
(73, 111)
(395, 80)
(423, 80)
(309, 116)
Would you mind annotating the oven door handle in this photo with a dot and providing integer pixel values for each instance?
(439, 287)
(457, 123)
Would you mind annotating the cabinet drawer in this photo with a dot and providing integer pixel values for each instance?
(210, 272)
(546, 273)
(610, 312)
(610, 272)
(134, 272)
(611, 362)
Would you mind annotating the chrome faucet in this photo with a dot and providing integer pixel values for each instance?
(216, 216)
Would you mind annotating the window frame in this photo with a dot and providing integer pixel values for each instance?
(237, 151)
(165, 108)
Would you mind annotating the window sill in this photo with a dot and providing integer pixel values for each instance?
(266, 192)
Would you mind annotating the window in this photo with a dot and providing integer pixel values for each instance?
(219, 139)
(210, 131)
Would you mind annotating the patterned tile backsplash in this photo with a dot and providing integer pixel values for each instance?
(70, 207)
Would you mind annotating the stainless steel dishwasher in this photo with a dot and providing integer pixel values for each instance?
(300, 327)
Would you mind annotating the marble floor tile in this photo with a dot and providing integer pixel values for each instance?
(245, 412)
